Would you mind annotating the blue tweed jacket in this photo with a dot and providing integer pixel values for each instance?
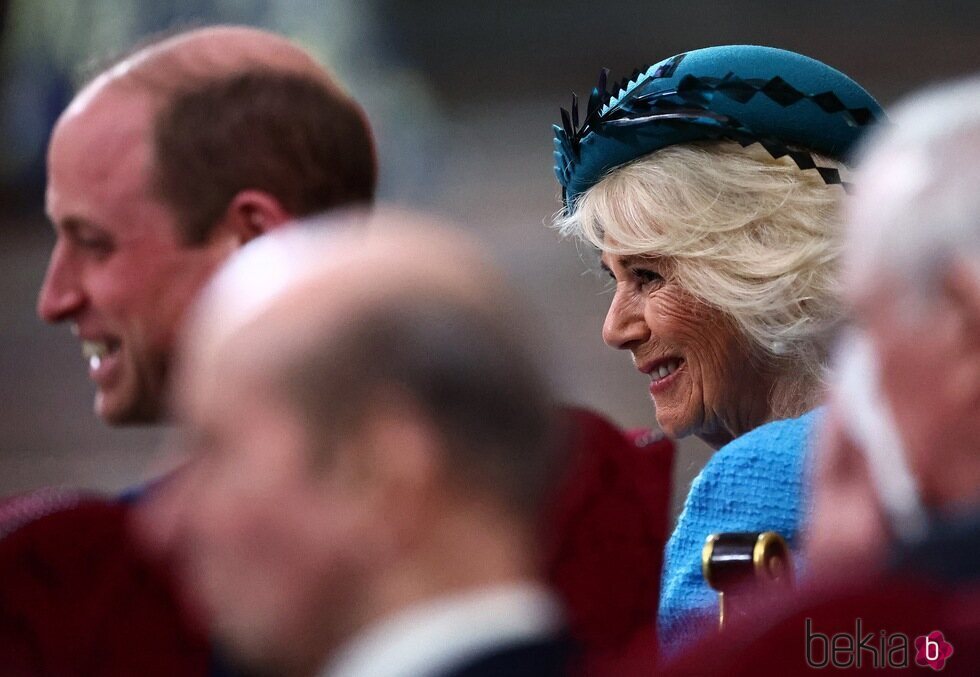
(754, 483)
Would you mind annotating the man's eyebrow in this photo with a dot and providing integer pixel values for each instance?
(73, 224)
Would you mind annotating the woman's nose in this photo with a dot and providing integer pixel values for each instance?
(625, 324)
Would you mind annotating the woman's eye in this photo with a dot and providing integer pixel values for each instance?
(608, 282)
(646, 276)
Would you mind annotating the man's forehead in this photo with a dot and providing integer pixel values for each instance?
(117, 98)
(111, 120)
(202, 55)
(99, 153)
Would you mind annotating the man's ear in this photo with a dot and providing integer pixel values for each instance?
(406, 464)
(961, 287)
(252, 213)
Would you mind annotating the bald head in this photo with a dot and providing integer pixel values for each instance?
(368, 431)
(204, 54)
(394, 305)
(331, 266)
(226, 109)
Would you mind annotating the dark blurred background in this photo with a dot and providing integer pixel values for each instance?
(462, 95)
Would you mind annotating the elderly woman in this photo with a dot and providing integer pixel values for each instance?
(711, 185)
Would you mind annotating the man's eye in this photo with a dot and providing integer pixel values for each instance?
(97, 245)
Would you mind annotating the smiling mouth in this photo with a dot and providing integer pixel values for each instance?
(661, 370)
(94, 352)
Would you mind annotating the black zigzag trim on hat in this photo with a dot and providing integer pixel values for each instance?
(689, 103)
(599, 97)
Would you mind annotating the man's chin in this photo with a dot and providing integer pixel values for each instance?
(251, 658)
(115, 410)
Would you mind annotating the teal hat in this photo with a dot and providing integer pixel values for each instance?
(745, 93)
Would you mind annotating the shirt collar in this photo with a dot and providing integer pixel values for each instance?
(433, 637)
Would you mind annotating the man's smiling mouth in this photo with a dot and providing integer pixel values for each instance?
(95, 351)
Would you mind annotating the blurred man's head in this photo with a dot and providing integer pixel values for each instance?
(371, 434)
(909, 395)
(165, 164)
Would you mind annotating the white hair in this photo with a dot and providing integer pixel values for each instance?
(753, 236)
(918, 204)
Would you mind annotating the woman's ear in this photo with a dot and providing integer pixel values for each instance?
(252, 213)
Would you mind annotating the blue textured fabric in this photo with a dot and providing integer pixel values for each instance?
(754, 483)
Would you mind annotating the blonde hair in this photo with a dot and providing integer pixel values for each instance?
(753, 236)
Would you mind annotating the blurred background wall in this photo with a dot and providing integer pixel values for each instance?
(462, 96)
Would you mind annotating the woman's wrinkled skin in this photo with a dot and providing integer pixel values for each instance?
(718, 391)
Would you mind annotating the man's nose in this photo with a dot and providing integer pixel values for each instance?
(625, 324)
(61, 295)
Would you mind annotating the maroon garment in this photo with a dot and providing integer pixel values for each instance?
(77, 598)
(605, 534)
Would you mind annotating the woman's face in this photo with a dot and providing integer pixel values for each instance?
(702, 378)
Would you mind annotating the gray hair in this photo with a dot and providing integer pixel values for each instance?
(918, 204)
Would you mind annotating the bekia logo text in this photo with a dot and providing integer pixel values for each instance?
(882, 650)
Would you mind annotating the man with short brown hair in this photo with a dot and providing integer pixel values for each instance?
(162, 166)
(166, 163)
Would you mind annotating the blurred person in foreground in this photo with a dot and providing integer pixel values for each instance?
(370, 443)
(166, 163)
(894, 544)
(900, 465)
(710, 185)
